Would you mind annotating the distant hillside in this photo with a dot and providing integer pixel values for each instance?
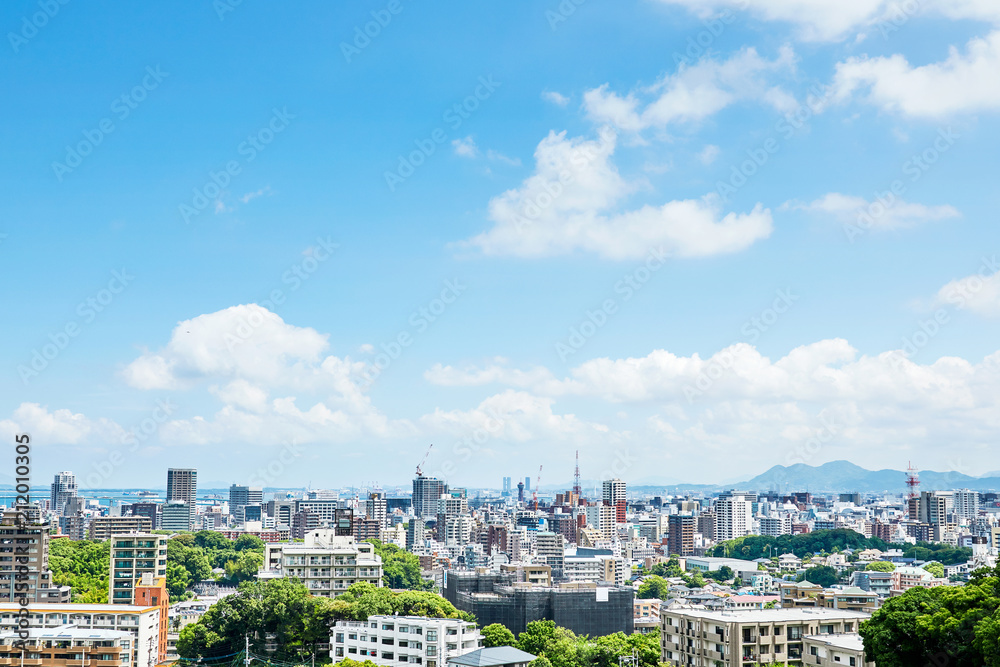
(844, 476)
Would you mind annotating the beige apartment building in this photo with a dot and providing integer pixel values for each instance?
(796, 595)
(702, 638)
(326, 563)
(103, 527)
(835, 651)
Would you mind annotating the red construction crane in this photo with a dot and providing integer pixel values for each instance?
(422, 462)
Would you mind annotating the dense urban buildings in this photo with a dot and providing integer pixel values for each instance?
(26, 537)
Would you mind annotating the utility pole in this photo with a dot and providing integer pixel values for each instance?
(246, 650)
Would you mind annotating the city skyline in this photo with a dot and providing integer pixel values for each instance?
(737, 235)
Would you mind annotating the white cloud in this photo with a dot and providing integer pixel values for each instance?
(962, 83)
(978, 293)
(60, 427)
(694, 92)
(555, 98)
(465, 147)
(877, 215)
(835, 20)
(266, 190)
(566, 206)
(500, 157)
(709, 154)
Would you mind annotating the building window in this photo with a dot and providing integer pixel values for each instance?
(340, 638)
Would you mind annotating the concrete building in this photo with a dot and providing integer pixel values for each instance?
(603, 518)
(966, 503)
(586, 609)
(326, 563)
(376, 508)
(176, 515)
(62, 490)
(846, 650)
(32, 537)
(149, 510)
(152, 591)
(141, 623)
(65, 647)
(426, 493)
(680, 534)
(734, 515)
(390, 640)
(550, 549)
(132, 555)
(701, 638)
(796, 595)
(613, 494)
(241, 496)
(104, 527)
(775, 526)
(182, 484)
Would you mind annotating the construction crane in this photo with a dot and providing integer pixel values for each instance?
(534, 495)
(420, 472)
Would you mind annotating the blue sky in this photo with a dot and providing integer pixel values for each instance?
(588, 149)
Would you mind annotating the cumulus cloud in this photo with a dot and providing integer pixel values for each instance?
(978, 293)
(965, 82)
(876, 215)
(709, 154)
(568, 204)
(694, 92)
(60, 427)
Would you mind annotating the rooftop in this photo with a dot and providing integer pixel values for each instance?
(847, 642)
(772, 615)
(487, 657)
(79, 607)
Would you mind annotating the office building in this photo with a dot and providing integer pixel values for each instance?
(32, 537)
(680, 534)
(182, 485)
(132, 555)
(614, 495)
(325, 562)
(734, 515)
(176, 515)
(505, 492)
(390, 640)
(63, 489)
(141, 623)
(702, 638)
(103, 527)
(241, 496)
(426, 493)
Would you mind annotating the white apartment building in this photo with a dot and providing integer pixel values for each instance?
(776, 525)
(142, 623)
(966, 503)
(326, 563)
(416, 640)
(734, 515)
(603, 518)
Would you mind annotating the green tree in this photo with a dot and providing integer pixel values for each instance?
(251, 542)
(936, 569)
(245, 567)
(400, 568)
(880, 566)
(654, 587)
(822, 575)
(957, 625)
(82, 565)
(496, 634)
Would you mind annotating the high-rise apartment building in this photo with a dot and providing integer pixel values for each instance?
(614, 495)
(966, 503)
(182, 485)
(132, 555)
(680, 534)
(28, 540)
(426, 493)
(551, 550)
(603, 518)
(375, 508)
(63, 489)
(929, 507)
(734, 515)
